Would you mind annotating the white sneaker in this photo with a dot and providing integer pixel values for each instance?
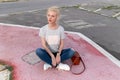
(62, 66)
(47, 66)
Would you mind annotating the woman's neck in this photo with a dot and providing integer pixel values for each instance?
(53, 26)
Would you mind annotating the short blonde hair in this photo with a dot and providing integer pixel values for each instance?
(55, 9)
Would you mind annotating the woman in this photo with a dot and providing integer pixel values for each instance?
(52, 39)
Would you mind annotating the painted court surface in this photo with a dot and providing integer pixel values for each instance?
(16, 41)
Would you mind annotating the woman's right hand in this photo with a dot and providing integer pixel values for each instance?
(53, 61)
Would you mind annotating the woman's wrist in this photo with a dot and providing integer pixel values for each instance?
(58, 53)
(52, 56)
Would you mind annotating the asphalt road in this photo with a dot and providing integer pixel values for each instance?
(30, 5)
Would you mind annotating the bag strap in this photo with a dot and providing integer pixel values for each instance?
(79, 64)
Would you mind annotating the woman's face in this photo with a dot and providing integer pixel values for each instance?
(52, 17)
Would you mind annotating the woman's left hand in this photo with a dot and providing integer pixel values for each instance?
(58, 58)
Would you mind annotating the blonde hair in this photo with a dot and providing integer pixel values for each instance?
(55, 9)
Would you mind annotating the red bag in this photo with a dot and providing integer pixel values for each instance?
(76, 59)
(78, 65)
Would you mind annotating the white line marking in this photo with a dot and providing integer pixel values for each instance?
(19, 26)
(103, 51)
(116, 15)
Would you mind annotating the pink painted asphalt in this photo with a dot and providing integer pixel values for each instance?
(17, 41)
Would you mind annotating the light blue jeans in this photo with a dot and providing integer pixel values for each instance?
(65, 55)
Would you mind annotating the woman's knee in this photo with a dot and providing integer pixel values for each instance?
(68, 53)
(39, 52)
(71, 52)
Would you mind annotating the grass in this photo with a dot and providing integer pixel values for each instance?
(111, 7)
(76, 6)
(8, 0)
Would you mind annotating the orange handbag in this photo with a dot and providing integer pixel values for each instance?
(77, 62)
